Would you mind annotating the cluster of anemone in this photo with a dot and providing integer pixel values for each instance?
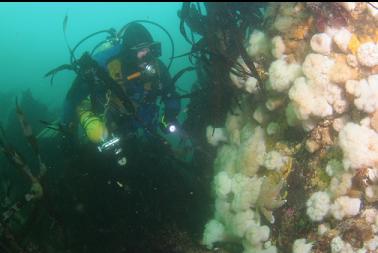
(321, 61)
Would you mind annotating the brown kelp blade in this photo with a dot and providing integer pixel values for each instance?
(65, 21)
(27, 129)
(17, 160)
(31, 138)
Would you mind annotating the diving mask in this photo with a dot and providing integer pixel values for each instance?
(152, 49)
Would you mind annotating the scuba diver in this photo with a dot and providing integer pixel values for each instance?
(114, 96)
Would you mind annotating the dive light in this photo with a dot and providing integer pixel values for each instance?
(172, 128)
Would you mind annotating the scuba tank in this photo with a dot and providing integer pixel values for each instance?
(93, 125)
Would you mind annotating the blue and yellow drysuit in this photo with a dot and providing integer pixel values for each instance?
(142, 92)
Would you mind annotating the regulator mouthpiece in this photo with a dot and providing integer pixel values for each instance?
(150, 70)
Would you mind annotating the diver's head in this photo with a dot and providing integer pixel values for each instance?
(136, 34)
(138, 43)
